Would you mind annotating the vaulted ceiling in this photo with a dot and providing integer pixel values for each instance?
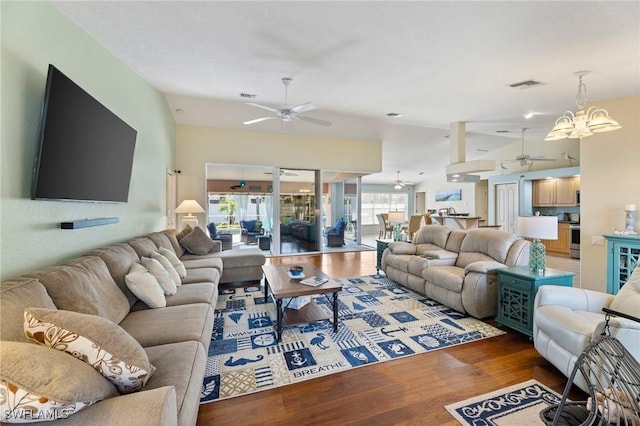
(432, 62)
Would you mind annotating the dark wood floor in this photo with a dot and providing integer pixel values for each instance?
(406, 391)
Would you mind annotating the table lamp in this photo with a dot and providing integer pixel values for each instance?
(538, 227)
(395, 219)
(189, 207)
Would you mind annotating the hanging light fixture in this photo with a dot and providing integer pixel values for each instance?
(582, 123)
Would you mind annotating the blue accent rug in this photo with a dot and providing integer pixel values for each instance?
(519, 404)
(379, 320)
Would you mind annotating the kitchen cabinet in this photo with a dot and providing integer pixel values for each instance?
(559, 192)
(563, 243)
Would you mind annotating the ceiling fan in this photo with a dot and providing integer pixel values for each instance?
(525, 159)
(283, 172)
(287, 113)
(398, 183)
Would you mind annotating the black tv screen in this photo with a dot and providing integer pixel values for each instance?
(86, 151)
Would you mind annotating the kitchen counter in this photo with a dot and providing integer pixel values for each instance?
(458, 222)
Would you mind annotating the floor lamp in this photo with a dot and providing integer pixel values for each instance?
(538, 227)
(188, 207)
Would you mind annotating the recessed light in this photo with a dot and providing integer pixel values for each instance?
(528, 115)
(421, 173)
(394, 115)
(502, 131)
(248, 95)
(525, 84)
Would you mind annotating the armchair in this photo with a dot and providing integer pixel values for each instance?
(335, 235)
(225, 239)
(250, 231)
(567, 319)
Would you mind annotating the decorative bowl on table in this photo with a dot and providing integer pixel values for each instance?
(296, 272)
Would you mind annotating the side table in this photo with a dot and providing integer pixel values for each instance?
(264, 243)
(517, 290)
(381, 245)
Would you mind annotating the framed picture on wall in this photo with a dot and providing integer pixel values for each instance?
(449, 195)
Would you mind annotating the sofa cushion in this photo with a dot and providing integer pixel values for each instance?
(43, 382)
(203, 262)
(448, 277)
(204, 292)
(100, 343)
(416, 265)
(16, 295)
(172, 324)
(173, 258)
(119, 259)
(197, 242)
(202, 275)
(433, 234)
(400, 247)
(161, 240)
(166, 263)
(466, 258)
(84, 285)
(242, 258)
(454, 242)
(421, 249)
(439, 254)
(491, 242)
(145, 286)
(172, 234)
(181, 365)
(399, 261)
(143, 246)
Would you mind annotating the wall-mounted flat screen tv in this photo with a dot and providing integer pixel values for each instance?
(86, 151)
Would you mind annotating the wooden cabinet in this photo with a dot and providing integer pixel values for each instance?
(555, 192)
(562, 244)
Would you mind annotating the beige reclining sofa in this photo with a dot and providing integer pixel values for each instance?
(163, 351)
(456, 268)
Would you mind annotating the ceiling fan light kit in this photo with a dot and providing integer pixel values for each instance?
(583, 123)
(398, 183)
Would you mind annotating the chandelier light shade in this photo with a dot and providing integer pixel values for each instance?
(188, 207)
(538, 227)
(583, 123)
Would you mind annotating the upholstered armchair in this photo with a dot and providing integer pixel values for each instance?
(335, 235)
(567, 319)
(250, 231)
(225, 239)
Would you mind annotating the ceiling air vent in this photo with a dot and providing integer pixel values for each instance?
(247, 95)
(525, 84)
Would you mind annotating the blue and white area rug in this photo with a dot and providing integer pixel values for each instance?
(379, 320)
(519, 404)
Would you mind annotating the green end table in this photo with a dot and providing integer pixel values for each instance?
(381, 245)
(517, 290)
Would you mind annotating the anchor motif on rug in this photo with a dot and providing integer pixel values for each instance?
(389, 333)
(297, 359)
(242, 361)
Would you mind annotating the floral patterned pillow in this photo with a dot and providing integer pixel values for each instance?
(39, 384)
(97, 341)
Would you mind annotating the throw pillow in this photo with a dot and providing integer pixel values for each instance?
(185, 231)
(95, 340)
(168, 266)
(38, 383)
(175, 261)
(144, 285)
(258, 227)
(161, 274)
(197, 242)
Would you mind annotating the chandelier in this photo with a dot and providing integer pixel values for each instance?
(582, 123)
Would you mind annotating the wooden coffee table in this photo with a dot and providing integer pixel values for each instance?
(276, 278)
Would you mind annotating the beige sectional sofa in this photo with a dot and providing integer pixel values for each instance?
(456, 268)
(175, 338)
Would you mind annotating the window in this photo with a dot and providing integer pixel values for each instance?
(376, 203)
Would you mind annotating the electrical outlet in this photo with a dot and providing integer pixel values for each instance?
(597, 240)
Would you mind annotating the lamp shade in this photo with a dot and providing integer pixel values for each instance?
(189, 207)
(540, 227)
(395, 217)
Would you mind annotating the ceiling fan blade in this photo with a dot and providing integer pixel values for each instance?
(258, 120)
(314, 120)
(308, 106)
(262, 106)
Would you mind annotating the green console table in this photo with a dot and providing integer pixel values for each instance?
(517, 290)
(622, 257)
(381, 245)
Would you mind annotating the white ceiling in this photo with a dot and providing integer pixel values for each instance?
(433, 62)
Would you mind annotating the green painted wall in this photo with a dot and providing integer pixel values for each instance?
(35, 34)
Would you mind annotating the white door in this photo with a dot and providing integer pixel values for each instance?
(172, 196)
(482, 200)
(420, 205)
(507, 206)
